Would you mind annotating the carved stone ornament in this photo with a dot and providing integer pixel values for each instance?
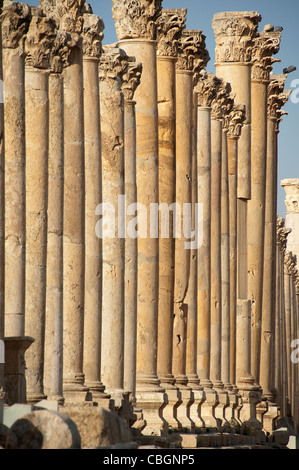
(15, 19)
(93, 28)
(170, 25)
(136, 18)
(236, 119)
(68, 14)
(282, 234)
(277, 96)
(265, 45)
(192, 53)
(290, 263)
(206, 88)
(291, 187)
(223, 101)
(234, 32)
(131, 79)
(113, 65)
(39, 41)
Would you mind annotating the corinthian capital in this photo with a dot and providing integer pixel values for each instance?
(265, 45)
(223, 101)
(234, 32)
(206, 88)
(290, 263)
(277, 97)
(131, 79)
(170, 25)
(236, 119)
(15, 19)
(39, 41)
(136, 18)
(68, 14)
(291, 187)
(192, 53)
(282, 234)
(93, 28)
(113, 65)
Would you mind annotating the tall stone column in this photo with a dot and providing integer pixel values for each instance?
(15, 21)
(290, 261)
(291, 187)
(234, 33)
(39, 41)
(270, 325)
(92, 37)
(235, 124)
(190, 57)
(266, 44)
(169, 29)
(206, 89)
(131, 80)
(136, 32)
(113, 64)
(2, 222)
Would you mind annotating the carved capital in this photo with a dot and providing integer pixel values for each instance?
(39, 41)
(222, 102)
(131, 79)
(236, 119)
(277, 97)
(93, 28)
(113, 65)
(68, 14)
(290, 263)
(136, 18)
(234, 32)
(206, 88)
(170, 25)
(192, 53)
(297, 283)
(291, 187)
(15, 20)
(265, 45)
(282, 234)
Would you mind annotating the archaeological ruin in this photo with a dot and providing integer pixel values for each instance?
(145, 277)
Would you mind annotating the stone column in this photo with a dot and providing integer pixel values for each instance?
(73, 214)
(131, 80)
(190, 51)
(270, 325)
(291, 187)
(220, 106)
(92, 37)
(169, 28)
(15, 21)
(266, 44)
(206, 89)
(290, 261)
(2, 234)
(135, 29)
(113, 64)
(234, 32)
(38, 44)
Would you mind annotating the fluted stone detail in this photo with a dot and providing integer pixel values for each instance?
(136, 18)
(170, 25)
(15, 20)
(234, 32)
(265, 45)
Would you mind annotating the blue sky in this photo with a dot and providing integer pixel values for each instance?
(279, 13)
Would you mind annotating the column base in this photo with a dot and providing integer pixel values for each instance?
(74, 391)
(223, 402)
(208, 410)
(182, 412)
(174, 399)
(152, 403)
(270, 417)
(231, 410)
(195, 410)
(250, 396)
(57, 398)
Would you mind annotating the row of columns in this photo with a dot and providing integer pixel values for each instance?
(145, 318)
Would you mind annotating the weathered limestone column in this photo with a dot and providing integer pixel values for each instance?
(266, 44)
(169, 29)
(234, 32)
(220, 106)
(190, 52)
(73, 215)
(290, 261)
(291, 187)
(135, 29)
(2, 223)
(206, 89)
(39, 41)
(15, 21)
(270, 326)
(131, 80)
(113, 64)
(92, 36)
(293, 337)
(235, 124)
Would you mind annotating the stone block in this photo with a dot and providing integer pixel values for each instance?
(15, 412)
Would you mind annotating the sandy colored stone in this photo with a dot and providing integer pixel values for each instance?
(46, 429)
